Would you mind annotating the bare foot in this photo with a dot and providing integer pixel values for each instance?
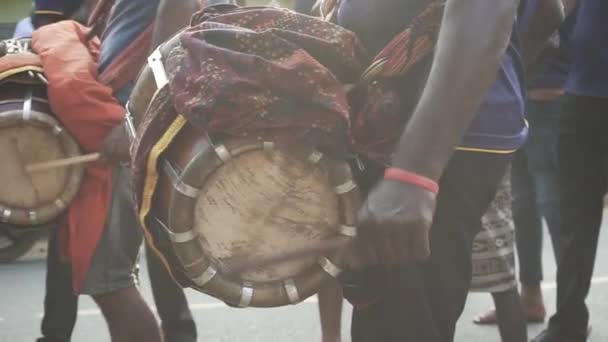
(487, 318)
(532, 300)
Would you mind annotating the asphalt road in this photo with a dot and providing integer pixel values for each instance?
(22, 291)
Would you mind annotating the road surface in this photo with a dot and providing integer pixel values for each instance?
(22, 291)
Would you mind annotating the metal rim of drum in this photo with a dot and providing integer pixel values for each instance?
(47, 212)
(241, 293)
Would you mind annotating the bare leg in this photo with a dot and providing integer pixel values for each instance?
(129, 317)
(330, 309)
(511, 316)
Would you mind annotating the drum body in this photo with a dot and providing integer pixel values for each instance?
(29, 133)
(223, 200)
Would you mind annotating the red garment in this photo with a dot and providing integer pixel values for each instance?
(88, 111)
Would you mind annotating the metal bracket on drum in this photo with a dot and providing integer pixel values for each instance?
(315, 157)
(183, 237)
(205, 277)
(345, 188)
(7, 213)
(42, 78)
(33, 216)
(178, 237)
(59, 203)
(329, 267)
(57, 130)
(155, 61)
(246, 295)
(178, 183)
(129, 125)
(27, 104)
(349, 231)
(223, 153)
(292, 291)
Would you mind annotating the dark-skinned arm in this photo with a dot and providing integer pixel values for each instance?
(472, 41)
(396, 217)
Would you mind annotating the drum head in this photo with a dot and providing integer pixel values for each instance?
(241, 201)
(34, 198)
(25, 144)
(263, 202)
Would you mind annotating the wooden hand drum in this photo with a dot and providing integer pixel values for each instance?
(29, 133)
(223, 201)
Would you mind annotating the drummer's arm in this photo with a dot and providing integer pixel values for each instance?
(472, 41)
(172, 16)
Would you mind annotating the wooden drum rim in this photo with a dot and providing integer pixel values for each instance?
(207, 276)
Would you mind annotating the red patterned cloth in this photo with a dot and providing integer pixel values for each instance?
(266, 71)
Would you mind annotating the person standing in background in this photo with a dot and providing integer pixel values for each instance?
(534, 168)
(582, 154)
(60, 301)
(494, 266)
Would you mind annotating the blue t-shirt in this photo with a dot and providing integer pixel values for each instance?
(499, 125)
(589, 71)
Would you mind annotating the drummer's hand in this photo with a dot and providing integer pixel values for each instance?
(116, 147)
(396, 220)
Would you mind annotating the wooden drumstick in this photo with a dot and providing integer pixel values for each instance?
(53, 164)
(237, 266)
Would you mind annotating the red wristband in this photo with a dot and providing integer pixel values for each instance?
(399, 175)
